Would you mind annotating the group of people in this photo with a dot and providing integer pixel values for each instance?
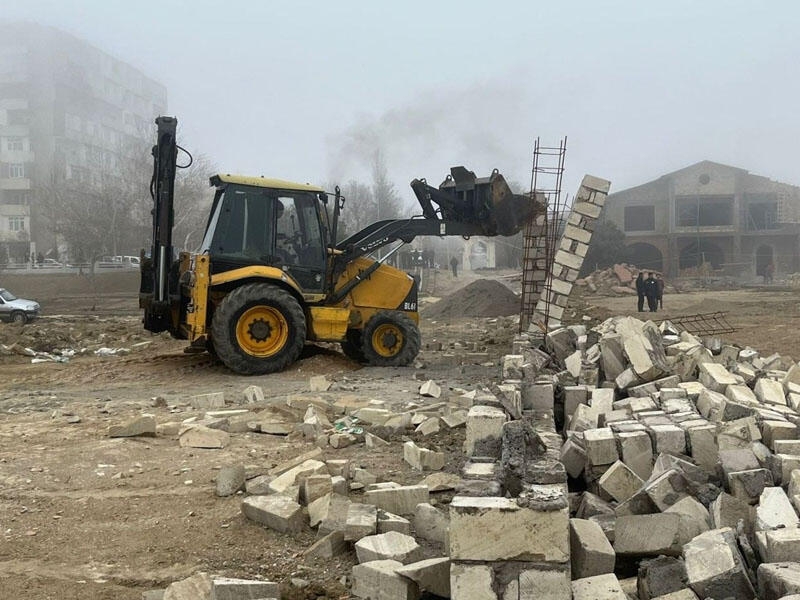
(651, 288)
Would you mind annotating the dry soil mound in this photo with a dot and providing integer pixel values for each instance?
(481, 298)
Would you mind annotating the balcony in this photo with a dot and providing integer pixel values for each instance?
(19, 183)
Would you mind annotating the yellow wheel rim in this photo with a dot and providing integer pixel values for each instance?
(387, 340)
(262, 331)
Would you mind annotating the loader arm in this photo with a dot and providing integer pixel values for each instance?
(463, 205)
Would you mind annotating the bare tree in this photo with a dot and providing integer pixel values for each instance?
(104, 209)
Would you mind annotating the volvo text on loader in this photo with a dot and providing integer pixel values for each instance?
(270, 274)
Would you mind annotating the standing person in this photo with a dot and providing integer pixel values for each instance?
(660, 282)
(640, 290)
(769, 271)
(454, 266)
(651, 291)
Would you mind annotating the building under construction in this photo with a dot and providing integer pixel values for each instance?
(711, 214)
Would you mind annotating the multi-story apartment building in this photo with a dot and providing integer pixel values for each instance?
(735, 222)
(68, 110)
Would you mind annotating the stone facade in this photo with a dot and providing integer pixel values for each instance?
(733, 220)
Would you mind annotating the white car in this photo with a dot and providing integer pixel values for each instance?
(17, 310)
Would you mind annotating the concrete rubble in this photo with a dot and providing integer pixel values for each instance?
(627, 460)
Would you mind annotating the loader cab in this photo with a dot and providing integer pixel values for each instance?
(258, 221)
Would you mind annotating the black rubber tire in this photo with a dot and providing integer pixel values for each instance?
(19, 318)
(406, 353)
(352, 346)
(226, 316)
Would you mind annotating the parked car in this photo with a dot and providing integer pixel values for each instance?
(17, 310)
(50, 263)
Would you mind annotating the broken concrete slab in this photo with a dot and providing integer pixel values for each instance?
(600, 446)
(748, 485)
(775, 510)
(769, 391)
(715, 567)
(668, 438)
(276, 512)
(777, 430)
(391, 545)
(253, 394)
(573, 457)
(648, 535)
(779, 545)
(727, 511)
(694, 517)
(328, 546)
(431, 575)
(469, 581)
(281, 468)
(440, 482)
(660, 576)
(777, 580)
(599, 587)
(590, 551)
(379, 580)
(430, 389)
(211, 400)
(620, 482)
(145, 425)
(203, 437)
(401, 500)
(430, 523)
(361, 521)
(391, 522)
(429, 426)
(484, 430)
(296, 475)
(191, 588)
(704, 446)
(636, 451)
(492, 528)
(314, 487)
(422, 459)
(226, 588)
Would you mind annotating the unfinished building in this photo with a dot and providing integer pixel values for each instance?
(735, 222)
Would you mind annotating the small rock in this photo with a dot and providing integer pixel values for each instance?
(230, 480)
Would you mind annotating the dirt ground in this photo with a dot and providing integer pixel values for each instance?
(86, 516)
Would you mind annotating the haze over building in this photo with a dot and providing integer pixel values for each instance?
(68, 112)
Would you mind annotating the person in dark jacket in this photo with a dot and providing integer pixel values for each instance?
(660, 282)
(651, 291)
(640, 290)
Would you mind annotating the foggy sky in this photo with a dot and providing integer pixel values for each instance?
(305, 90)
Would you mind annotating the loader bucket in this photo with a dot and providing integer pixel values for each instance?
(486, 202)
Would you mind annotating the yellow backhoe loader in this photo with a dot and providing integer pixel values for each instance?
(270, 275)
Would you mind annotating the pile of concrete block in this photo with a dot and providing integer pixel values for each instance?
(682, 452)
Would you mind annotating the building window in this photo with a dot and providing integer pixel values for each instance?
(15, 197)
(640, 218)
(762, 215)
(14, 144)
(16, 223)
(17, 116)
(703, 211)
(16, 170)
